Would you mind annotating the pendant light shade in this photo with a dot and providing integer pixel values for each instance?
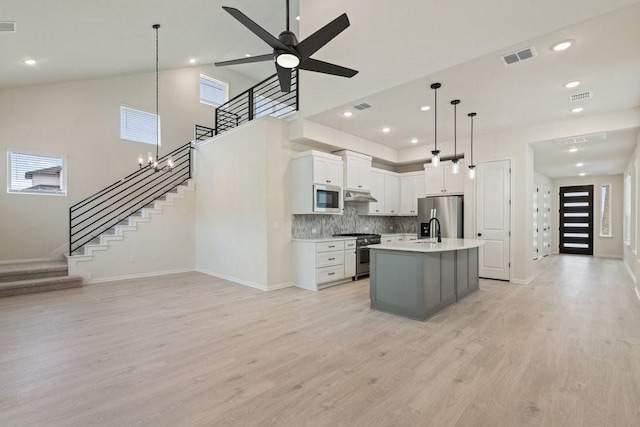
(455, 166)
(472, 167)
(435, 154)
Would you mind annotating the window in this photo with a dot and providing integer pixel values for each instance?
(605, 210)
(627, 210)
(30, 173)
(139, 126)
(213, 92)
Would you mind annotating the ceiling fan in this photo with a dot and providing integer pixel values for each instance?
(288, 53)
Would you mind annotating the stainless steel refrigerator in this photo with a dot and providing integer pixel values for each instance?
(449, 211)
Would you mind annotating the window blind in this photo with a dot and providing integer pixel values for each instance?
(139, 126)
(212, 91)
(33, 173)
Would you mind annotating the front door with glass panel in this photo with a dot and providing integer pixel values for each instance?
(576, 220)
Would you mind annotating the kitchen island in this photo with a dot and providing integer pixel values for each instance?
(419, 278)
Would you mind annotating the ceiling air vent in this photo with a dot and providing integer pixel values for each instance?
(579, 139)
(362, 106)
(521, 55)
(7, 27)
(580, 96)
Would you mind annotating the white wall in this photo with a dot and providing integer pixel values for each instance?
(243, 207)
(81, 120)
(609, 247)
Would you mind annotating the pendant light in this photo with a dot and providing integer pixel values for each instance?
(472, 167)
(151, 162)
(455, 166)
(435, 154)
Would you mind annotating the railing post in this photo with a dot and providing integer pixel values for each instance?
(216, 130)
(250, 104)
(297, 90)
(70, 251)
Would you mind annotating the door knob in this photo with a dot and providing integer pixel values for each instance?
(479, 234)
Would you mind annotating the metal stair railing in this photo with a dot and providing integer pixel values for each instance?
(263, 99)
(103, 210)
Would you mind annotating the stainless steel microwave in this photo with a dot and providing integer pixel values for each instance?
(327, 199)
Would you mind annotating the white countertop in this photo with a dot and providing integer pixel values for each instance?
(426, 245)
(327, 239)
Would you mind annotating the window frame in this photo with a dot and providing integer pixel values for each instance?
(601, 209)
(147, 112)
(63, 173)
(224, 84)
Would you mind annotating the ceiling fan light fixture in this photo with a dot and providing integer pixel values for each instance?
(288, 60)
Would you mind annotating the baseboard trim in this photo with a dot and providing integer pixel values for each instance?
(523, 282)
(608, 256)
(279, 286)
(633, 277)
(139, 276)
(232, 279)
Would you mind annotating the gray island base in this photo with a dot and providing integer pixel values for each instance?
(418, 279)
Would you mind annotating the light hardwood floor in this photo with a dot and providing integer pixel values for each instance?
(189, 349)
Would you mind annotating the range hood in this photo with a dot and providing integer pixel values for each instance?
(358, 196)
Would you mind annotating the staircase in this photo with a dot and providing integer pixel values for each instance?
(129, 224)
(32, 277)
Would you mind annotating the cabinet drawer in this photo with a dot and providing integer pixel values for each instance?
(330, 246)
(329, 274)
(350, 244)
(324, 259)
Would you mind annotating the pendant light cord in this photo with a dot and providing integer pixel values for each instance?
(157, 26)
(287, 15)
(435, 115)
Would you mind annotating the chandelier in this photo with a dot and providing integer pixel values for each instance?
(154, 163)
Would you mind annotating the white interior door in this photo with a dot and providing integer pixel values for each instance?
(546, 220)
(536, 232)
(494, 218)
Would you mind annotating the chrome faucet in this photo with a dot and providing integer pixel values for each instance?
(438, 223)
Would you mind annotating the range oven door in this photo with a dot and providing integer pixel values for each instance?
(362, 260)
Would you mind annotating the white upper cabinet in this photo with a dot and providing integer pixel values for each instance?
(440, 180)
(391, 194)
(377, 192)
(412, 187)
(357, 170)
(385, 188)
(327, 171)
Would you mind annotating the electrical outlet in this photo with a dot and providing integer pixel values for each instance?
(314, 231)
(132, 258)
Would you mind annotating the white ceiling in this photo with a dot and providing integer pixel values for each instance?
(456, 43)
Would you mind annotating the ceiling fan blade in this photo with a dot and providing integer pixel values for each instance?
(284, 76)
(260, 58)
(326, 68)
(257, 29)
(324, 35)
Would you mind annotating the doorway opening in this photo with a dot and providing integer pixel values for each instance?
(576, 220)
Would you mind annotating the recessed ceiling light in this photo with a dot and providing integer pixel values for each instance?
(425, 108)
(30, 61)
(582, 174)
(572, 84)
(386, 130)
(247, 55)
(192, 61)
(579, 165)
(347, 114)
(298, 18)
(573, 150)
(577, 110)
(414, 140)
(563, 45)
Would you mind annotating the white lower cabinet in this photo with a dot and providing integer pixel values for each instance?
(320, 264)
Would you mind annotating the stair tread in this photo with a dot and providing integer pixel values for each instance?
(40, 282)
(32, 267)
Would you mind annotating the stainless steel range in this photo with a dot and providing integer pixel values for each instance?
(363, 240)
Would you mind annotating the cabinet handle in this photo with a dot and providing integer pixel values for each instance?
(332, 246)
(359, 186)
(331, 274)
(331, 259)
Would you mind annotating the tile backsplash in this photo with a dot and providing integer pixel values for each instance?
(350, 222)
